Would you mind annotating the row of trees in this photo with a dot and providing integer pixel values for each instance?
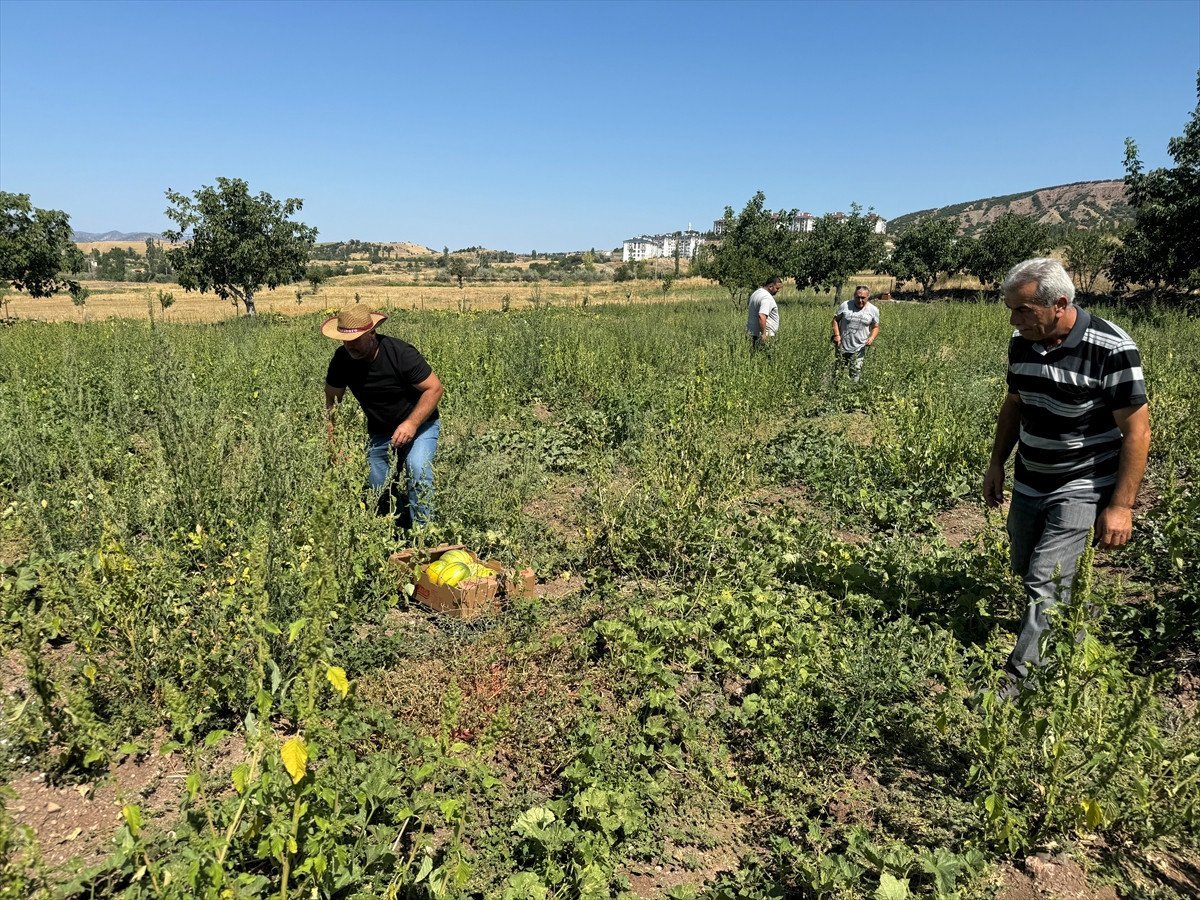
(1160, 250)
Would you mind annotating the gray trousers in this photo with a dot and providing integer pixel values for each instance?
(1047, 536)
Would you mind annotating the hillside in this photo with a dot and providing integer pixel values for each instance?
(1085, 204)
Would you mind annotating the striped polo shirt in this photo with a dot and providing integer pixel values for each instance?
(1069, 441)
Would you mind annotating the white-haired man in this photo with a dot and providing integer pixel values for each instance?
(1076, 411)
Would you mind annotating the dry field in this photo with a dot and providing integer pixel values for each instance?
(128, 300)
(133, 300)
(105, 246)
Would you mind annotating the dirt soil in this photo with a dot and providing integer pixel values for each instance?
(80, 821)
(683, 864)
(962, 523)
(1044, 877)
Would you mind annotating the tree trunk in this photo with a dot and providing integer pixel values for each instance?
(837, 294)
(249, 301)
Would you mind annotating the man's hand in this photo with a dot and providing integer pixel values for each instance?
(993, 486)
(404, 434)
(1114, 525)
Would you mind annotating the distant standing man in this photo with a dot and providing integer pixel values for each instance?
(762, 323)
(855, 327)
(1076, 411)
(399, 393)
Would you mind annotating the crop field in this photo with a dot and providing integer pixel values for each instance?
(759, 664)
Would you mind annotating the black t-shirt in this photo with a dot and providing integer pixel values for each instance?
(385, 386)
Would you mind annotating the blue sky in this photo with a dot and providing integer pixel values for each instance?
(556, 126)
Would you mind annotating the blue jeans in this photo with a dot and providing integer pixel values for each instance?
(414, 504)
(1047, 535)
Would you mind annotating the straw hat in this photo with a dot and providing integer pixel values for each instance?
(351, 322)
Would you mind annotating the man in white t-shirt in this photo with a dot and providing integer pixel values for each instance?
(855, 327)
(762, 321)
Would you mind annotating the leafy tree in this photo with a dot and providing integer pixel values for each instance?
(33, 246)
(1161, 248)
(460, 268)
(73, 259)
(233, 243)
(316, 275)
(79, 296)
(1006, 242)
(925, 251)
(1088, 253)
(754, 247)
(112, 265)
(156, 260)
(837, 248)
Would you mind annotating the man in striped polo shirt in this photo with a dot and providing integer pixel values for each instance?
(1076, 411)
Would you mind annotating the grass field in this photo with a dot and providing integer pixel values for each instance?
(769, 612)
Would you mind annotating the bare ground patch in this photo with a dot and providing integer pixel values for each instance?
(79, 821)
(693, 859)
(1045, 877)
(962, 523)
(561, 509)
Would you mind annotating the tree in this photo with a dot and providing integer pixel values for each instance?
(1007, 241)
(233, 243)
(73, 259)
(33, 243)
(1161, 248)
(926, 251)
(1088, 253)
(754, 247)
(156, 260)
(315, 275)
(112, 265)
(837, 248)
(460, 268)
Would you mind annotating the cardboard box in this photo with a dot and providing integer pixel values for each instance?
(472, 598)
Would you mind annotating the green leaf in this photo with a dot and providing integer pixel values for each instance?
(891, 888)
(426, 868)
(240, 776)
(533, 822)
(295, 629)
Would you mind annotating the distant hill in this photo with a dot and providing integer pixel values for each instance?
(91, 237)
(1085, 204)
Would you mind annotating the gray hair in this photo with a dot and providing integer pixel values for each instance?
(1051, 278)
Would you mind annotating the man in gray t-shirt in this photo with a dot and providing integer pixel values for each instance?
(762, 321)
(855, 327)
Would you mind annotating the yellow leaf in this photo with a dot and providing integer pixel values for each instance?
(132, 814)
(295, 757)
(337, 677)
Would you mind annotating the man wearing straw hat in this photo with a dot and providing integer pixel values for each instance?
(399, 393)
